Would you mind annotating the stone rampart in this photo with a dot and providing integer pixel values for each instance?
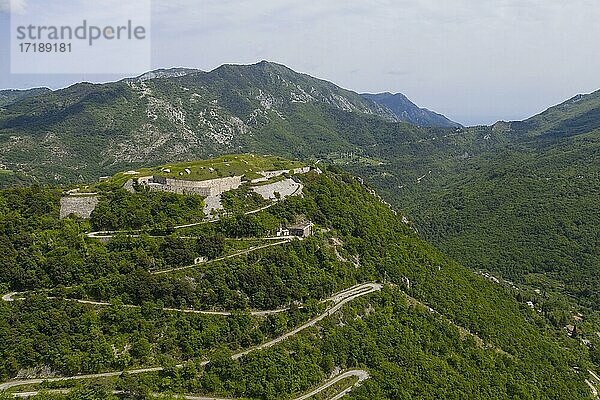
(211, 187)
(82, 206)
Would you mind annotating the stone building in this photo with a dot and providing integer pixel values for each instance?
(301, 230)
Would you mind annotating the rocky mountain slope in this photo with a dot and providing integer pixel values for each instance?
(89, 130)
(408, 111)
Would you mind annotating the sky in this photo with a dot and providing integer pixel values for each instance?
(476, 61)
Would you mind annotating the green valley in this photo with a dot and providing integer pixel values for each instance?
(515, 203)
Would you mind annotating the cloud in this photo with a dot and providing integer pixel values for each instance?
(13, 6)
(398, 72)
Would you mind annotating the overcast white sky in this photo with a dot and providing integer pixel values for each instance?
(477, 61)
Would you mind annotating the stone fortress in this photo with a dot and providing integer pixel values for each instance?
(266, 175)
(207, 188)
(83, 204)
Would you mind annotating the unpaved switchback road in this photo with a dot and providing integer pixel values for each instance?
(350, 295)
(9, 296)
(339, 301)
(239, 253)
(360, 374)
(137, 232)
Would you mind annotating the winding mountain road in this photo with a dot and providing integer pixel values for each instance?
(132, 233)
(360, 374)
(9, 297)
(236, 254)
(339, 300)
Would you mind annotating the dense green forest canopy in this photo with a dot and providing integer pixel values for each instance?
(519, 209)
(436, 330)
(515, 198)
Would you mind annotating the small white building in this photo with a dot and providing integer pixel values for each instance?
(530, 304)
(283, 232)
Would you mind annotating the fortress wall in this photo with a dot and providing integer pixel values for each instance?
(273, 174)
(159, 179)
(302, 170)
(80, 206)
(221, 185)
(144, 180)
(230, 182)
(210, 187)
(200, 191)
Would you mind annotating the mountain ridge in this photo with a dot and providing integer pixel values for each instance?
(408, 111)
(187, 116)
(10, 96)
(576, 115)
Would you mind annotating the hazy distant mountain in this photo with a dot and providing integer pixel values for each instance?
(12, 96)
(409, 112)
(580, 114)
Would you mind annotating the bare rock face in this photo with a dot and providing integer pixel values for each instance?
(82, 206)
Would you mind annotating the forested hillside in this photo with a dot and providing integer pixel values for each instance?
(430, 328)
(516, 199)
